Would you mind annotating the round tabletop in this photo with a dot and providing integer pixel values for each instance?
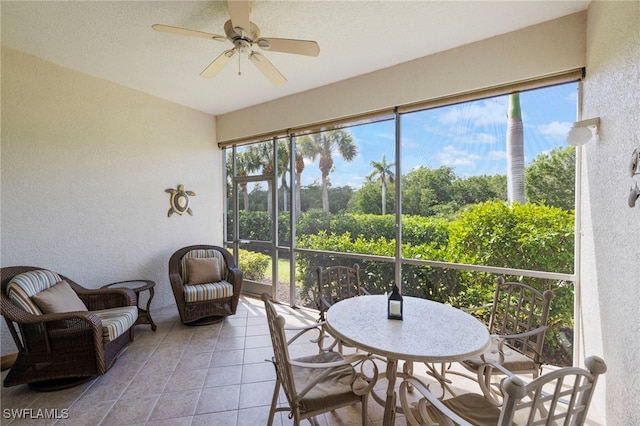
(135, 285)
(429, 332)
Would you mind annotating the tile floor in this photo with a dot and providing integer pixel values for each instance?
(180, 375)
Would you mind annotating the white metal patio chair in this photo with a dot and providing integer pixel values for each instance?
(559, 397)
(317, 383)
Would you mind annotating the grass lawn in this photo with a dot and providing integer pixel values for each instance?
(284, 274)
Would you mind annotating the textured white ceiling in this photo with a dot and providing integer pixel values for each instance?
(114, 40)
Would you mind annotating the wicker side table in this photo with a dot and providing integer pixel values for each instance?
(138, 286)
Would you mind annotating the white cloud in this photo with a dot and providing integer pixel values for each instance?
(485, 112)
(477, 138)
(556, 130)
(450, 156)
(497, 155)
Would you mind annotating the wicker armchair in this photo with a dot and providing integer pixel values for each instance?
(63, 349)
(206, 283)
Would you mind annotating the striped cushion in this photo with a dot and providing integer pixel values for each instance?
(211, 291)
(201, 253)
(23, 286)
(116, 321)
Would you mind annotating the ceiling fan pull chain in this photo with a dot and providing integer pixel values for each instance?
(239, 72)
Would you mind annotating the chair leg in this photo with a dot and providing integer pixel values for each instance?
(365, 402)
(274, 402)
(484, 380)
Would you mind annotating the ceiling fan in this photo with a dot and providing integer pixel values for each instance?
(243, 34)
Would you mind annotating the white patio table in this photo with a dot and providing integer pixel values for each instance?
(429, 332)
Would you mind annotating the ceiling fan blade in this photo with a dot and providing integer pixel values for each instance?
(267, 68)
(186, 32)
(218, 63)
(286, 45)
(239, 13)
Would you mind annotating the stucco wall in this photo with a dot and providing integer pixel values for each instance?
(84, 167)
(611, 230)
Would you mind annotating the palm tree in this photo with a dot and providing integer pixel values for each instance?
(283, 169)
(261, 155)
(515, 151)
(325, 144)
(244, 166)
(384, 173)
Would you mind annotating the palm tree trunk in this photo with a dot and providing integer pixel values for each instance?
(325, 194)
(326, 164)
(245, 196)
(515, 152)
(285, 192)
(384, 198)
(269, 193)
(298, 186)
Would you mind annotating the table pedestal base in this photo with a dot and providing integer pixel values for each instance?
(390, 404)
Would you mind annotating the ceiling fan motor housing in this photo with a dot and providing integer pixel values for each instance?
(241, 40)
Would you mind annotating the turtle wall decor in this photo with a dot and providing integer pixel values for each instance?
(179, 200)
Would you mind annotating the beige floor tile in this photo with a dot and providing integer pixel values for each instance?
(204, 345)
(256, 355)
(175, 404)
(87, 412)
(258, 372)
(256, 394)
(226, 358)
(182, 380)
(108, 387)
(194, 361)
(221, 418)
(256, 320)
(130, 410)
(147, 383)
(258, 330)
(223, 376)
(237, 321)
(222, 398)
(257, 342)
(230, 344)
(176, 421)
(256, 416)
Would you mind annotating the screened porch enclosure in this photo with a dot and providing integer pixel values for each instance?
(440, 200)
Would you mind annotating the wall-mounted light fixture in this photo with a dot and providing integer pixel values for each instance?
(582, 131)
(634, 169)
(634, 194)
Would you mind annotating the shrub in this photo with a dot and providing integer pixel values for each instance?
(313, 222)
(523, 236)
(253, 265)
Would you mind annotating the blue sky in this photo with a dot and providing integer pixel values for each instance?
(469, 137)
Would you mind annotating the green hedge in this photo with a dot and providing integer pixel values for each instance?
(534, 237)
(527, 236)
